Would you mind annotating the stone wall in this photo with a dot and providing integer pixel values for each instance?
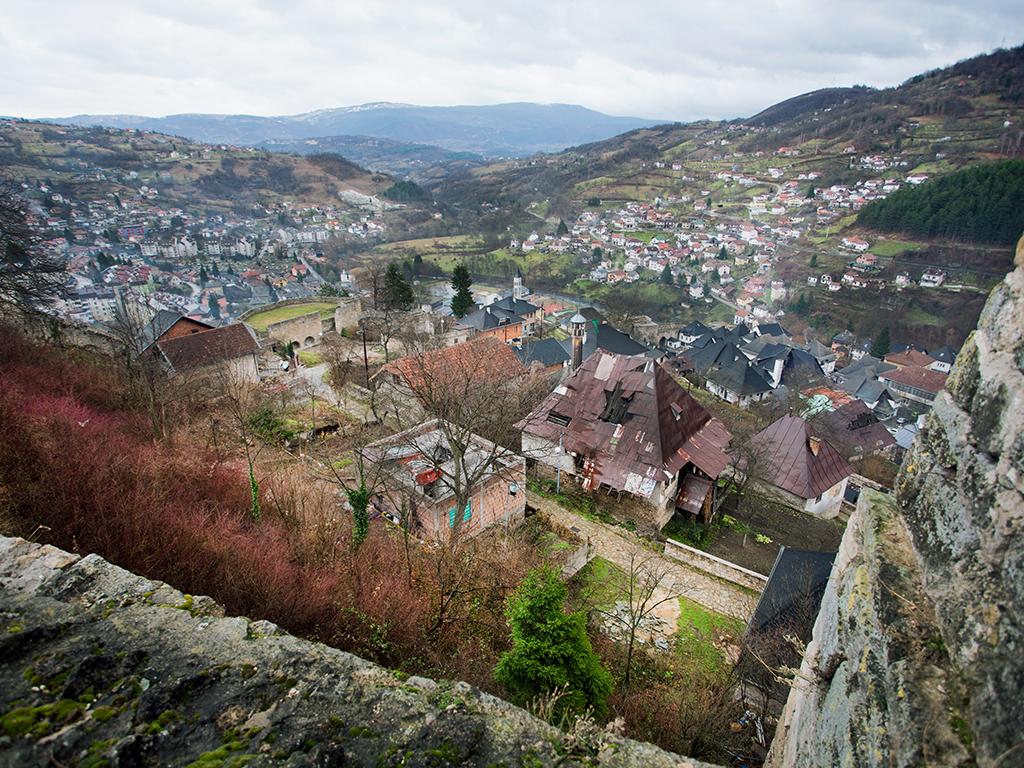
(716, 566)
(102, 667)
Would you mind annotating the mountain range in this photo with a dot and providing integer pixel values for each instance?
(514, 129)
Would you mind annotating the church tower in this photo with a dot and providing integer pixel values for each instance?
(518, 289)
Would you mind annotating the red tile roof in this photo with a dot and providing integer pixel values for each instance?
(207, 347)
(484, 357)
(910, 358)
(921, 378)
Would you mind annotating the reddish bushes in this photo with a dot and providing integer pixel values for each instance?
(71, 461)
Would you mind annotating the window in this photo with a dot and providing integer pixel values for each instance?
(559, 419)
(451, 515)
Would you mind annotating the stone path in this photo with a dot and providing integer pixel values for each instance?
(617, 545)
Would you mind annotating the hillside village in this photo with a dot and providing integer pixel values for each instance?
(381, 457)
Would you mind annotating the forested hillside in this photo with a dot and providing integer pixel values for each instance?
(981, 205)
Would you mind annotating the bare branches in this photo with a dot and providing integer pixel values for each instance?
(29, 278)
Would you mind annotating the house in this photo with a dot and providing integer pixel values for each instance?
(421, 476)
(944, 358)
(806, 472)
(623, 423)
(546, 354)
(921, 385)
(166, 324)
(911, 358)
(606, 338)
(933, 277)
(854, 430)
(856, 244)
(693, 331)
(230, 349)
(493, 321)
(532, 315)
(414, 385)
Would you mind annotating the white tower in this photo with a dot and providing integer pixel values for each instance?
(518, 289)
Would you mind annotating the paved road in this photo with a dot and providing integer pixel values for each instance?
(617, 545)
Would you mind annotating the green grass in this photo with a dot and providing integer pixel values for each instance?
(309, 359)
(261, 320)
(892, 247)
(698, 627)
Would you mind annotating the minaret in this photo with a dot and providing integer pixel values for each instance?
(518, 290)
(576, 325)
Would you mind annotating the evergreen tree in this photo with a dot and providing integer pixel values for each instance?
(551, 650)
(211, 302)
(398, 292)
(461, 282)
(881, 345)
(563, 228)
(327, 291)
(814, 260)
(666, 275)
(203, 276)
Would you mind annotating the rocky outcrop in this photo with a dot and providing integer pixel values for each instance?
(916, 656)
(962, 493)
(875, 687)
(99, 667)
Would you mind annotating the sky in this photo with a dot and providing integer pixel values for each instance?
(672, 60)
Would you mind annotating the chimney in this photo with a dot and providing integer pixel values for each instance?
(815, 445)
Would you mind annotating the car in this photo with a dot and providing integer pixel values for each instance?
(901, 421)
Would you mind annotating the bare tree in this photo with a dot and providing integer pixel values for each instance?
(648, 582)
(753, 466)
(478, 392)
(29, 278)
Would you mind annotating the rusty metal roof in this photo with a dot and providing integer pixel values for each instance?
(632, 422)
(797, 468)
(692, 493)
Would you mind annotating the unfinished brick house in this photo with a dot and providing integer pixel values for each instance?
(421, 473)
(623, 423)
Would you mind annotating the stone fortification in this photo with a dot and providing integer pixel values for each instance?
(102, 667)
(917, 651)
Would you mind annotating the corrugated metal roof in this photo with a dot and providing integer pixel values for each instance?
(632, 422)
(797, 468)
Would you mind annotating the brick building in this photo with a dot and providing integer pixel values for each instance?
(419, 471)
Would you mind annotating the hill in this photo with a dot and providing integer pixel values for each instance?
(83, 163)
(500, 129)
(791, 177)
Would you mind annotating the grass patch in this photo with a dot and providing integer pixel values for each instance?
(599, 582)
(892, 247)
(309, 359)
(261, 320)
(699, 628)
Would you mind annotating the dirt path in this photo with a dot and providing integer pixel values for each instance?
(617, 544)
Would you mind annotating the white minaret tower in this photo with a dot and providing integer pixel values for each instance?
(576, 325)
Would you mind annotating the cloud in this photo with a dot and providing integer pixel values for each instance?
(655, 58)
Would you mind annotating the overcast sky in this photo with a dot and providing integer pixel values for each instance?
(664, 59)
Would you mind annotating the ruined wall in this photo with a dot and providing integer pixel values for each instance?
(298, 330)
(102, 667)
(917, 651)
